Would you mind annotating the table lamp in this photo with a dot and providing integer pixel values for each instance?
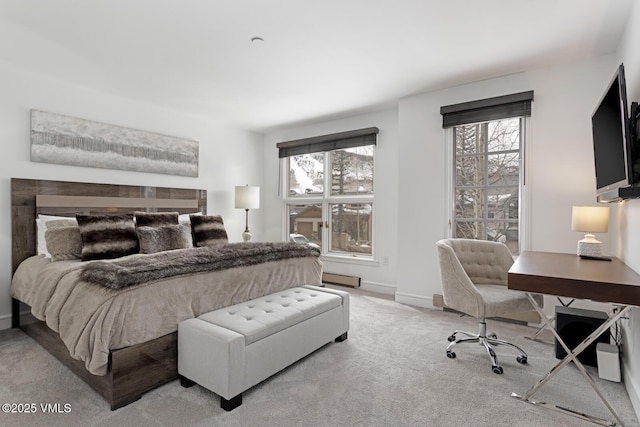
(590, 219)
(247, 198)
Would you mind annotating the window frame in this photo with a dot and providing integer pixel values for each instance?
(523, 202)
(325, 200)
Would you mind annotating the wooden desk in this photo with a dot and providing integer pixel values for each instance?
(568, 275)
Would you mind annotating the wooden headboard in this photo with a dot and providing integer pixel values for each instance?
(30, 197)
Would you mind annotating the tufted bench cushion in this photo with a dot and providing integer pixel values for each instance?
(234, 348)
(268, 315)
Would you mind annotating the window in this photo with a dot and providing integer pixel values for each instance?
(487, 151)
(333, 210)
(487, 181)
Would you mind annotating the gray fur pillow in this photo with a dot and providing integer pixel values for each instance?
(63, 242)
(155, 219)
(208, 230)
(166, 238)
(107, 236)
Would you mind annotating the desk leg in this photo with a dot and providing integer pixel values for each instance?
(544, 326)
(572, 357)
(534, 337)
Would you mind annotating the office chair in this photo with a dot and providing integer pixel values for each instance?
(474, 282)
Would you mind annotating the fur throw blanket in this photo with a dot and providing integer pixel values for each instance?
(144, 268)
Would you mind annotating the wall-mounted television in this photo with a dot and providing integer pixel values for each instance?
(614, 143)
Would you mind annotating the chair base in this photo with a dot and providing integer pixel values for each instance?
(487, 341)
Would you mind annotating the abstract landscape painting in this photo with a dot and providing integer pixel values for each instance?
(77, 142)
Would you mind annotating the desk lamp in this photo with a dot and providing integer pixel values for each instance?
(590, 219)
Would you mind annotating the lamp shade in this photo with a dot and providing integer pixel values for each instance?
(591, 219)
(247, 197)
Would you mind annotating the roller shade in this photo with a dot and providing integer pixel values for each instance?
(500, 107)
(334, 141)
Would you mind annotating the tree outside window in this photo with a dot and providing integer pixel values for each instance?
(334, 212)
(487, 181)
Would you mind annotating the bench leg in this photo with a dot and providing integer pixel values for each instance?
(231, 404)
(341, 337)
(186, 382)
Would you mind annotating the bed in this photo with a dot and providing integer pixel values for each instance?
(122, 341)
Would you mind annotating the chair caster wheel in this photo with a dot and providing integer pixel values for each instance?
(522, 359)
(451, 338)
(497, 369)
(451, 355)
(494, 336)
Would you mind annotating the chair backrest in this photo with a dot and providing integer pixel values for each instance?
(483, 261)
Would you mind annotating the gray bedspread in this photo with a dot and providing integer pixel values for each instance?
(92, 320)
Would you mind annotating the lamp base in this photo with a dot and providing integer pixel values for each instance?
(589, 248)
(246, 236)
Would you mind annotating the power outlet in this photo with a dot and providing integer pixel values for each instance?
(385, 260)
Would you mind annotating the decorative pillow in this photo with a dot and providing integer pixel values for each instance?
(165, 238)
(63, 242)
(41, 222)
(107, 236)
(208, 230)
(155, 219)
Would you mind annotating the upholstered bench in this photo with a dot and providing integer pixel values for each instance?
(234, 348)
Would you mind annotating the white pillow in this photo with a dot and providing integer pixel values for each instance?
(184, 218)
(42, 244)
(41, 224)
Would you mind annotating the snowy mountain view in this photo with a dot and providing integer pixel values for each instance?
(351, 172)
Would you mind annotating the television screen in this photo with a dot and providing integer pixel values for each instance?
(612, 149)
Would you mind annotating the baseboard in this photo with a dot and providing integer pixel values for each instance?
(633, 390)
(25, 317)
(5, 321)
(413, 299)
(381, 288)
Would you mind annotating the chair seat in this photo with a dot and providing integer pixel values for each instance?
(499, 300)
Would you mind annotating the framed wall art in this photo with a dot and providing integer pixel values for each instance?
(65, 140)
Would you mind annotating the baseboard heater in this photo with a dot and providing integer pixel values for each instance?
(340, 279)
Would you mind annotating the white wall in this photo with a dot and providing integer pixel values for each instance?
(559, 166)
(629, 245)
(375, 276)
(228, 157)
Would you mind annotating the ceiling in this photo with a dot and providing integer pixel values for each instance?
(320, 59)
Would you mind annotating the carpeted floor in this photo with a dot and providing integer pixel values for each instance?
(392, 371)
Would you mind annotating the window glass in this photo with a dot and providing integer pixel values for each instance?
(469, 139)
(351, 227)
(470, 170)
(352, 171)
(487, 181)
(305, 224)
(466, 229)
(306, 175)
